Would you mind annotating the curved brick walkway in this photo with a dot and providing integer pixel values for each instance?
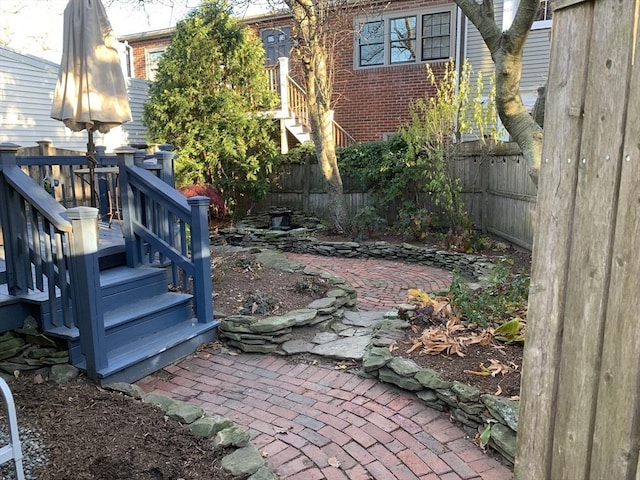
(381, 284)
(313, 422)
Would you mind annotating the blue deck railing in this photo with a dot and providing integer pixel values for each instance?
(53, 250)
(162, 227)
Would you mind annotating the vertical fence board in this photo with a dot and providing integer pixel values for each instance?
(595, 206)
(552, 244)
(617, 430)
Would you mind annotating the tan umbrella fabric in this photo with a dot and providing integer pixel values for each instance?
(91, 92)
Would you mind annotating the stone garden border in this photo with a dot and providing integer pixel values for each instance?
(300, 240)
(245, 462)
(475, 411)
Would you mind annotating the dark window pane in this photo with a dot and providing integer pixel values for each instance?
(372, 32)
(371, 54)
(436, 36)
(403, 39)
(372, 43)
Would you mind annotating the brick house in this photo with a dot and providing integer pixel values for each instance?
(380, 59)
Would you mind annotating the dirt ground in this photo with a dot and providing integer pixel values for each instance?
(88, 433)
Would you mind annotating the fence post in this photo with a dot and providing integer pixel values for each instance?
(201, 256)
(127, 203)
(484, 186)
(45, 147)
(85, 281)
(165, 158)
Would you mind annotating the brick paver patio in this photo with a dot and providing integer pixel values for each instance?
(316, 422)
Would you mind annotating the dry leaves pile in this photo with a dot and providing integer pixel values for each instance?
(442, 333)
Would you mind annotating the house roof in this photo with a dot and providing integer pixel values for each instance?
(167, 32)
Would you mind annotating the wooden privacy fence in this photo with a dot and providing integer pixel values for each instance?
(497, 190)
(580, 408)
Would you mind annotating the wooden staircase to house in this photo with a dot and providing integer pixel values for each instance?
(126, 302)
(293, 112)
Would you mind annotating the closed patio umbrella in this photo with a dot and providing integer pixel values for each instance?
(91, 92)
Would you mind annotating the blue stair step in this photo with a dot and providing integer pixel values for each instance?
(136, 360)
(122, 285)
(143, 317)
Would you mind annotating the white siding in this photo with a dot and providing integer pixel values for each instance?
(535, 64)
(535, 61)
(27, 84)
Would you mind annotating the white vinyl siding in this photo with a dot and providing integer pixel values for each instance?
(535, 61)
(27, 84)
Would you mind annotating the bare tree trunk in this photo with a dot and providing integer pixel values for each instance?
(514, 115)
(314, 50)
(506, 50)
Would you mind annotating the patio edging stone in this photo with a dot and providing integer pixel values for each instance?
(245, 462)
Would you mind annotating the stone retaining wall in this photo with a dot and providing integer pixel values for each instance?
(465, 403)
(268, 334)
(475, 411)
(300, 240)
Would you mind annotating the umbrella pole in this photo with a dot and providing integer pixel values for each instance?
(92, 162)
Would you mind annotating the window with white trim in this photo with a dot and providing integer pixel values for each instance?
(401, 38)
(152, 59)
(544, 15)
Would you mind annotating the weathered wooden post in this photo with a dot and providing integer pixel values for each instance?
(87, 297)
(201, 256)
(580, 407)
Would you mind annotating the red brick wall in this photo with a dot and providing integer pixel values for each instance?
(139, 48)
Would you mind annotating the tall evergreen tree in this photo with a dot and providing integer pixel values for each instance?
(207, 98)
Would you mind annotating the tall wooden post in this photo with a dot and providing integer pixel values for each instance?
(11, 229)
(284, 102)
(87, 298)
(580, 408)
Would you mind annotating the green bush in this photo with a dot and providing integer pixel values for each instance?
(503, 298)
(367, 223)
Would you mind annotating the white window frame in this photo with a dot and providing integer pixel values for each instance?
(387, 17)
(509, 11)
(151, 72)
(540, 24)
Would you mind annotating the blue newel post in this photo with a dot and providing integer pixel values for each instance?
(165, 159)
(16, 277)
(126, 160)
(87, 298)
(201, 257)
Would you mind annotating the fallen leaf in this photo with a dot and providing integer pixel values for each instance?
(498, 391)
(334, 462)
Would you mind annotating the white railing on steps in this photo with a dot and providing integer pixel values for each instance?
(13, 450)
